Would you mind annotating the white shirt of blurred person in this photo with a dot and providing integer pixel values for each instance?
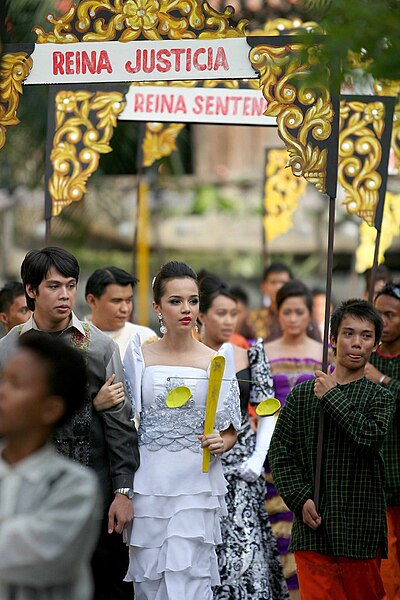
(109, 293)
(13, 308)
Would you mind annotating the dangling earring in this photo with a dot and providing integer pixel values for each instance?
(196, 328)
(163, 329)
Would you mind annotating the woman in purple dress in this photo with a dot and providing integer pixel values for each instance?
(293, 358)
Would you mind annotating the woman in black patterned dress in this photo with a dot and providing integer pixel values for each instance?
(248, 558)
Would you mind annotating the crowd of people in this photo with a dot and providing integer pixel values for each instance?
(106, 492)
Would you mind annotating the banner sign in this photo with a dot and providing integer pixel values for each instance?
(196, 105)
(95, 62)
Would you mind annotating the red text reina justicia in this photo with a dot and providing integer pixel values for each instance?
(178, 60)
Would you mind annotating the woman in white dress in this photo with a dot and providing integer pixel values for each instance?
(177, 507)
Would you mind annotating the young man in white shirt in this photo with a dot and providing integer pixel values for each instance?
(109, 293)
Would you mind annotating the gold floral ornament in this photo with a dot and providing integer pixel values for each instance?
(360, 154)
(159, 141)
(14, 69)
(282, 191)
(390, 229)
(392, 88)
(129, 20)
(304, 114)
(85, 122)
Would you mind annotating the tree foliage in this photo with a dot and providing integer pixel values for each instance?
(369, 28)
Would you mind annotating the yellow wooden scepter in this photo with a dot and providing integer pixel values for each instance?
(217, 367)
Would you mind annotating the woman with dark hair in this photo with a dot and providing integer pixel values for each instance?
(294, 357)
(177, 506)
(248, 559)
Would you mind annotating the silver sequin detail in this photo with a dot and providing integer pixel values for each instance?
(176, 429)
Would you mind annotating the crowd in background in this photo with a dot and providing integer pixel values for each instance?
(273, 351)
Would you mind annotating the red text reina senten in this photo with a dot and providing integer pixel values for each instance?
(178, 60)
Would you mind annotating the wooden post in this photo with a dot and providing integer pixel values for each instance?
(329, 276)
(142, 255)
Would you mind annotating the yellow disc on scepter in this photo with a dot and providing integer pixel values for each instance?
(268, 407)
(178, 396)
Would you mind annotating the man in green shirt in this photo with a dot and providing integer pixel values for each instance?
(384, 368)
(338, 548)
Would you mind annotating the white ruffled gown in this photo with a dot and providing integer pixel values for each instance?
(177, 507)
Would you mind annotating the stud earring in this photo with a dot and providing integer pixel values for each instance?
(163, 329)
(196, 328)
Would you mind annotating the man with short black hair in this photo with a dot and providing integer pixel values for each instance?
(337, 548)
(384, 368)
(109, 293)
(105, 441)
(13, 307)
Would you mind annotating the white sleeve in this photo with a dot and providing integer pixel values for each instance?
(134, 367)
(252, 467)
(228, 408)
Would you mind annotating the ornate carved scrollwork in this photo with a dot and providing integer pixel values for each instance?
(360, 152)
(14, 69)
(85, 122)
(304, 113)
(128, 20)
(281, 194)
(392, 88)
(159, 141)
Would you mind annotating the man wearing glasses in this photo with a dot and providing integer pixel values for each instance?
(384, 368)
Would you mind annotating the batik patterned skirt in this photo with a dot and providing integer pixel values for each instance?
(248, 558)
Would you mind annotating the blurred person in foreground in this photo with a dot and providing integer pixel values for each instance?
(384, 368)
(339, 547)
(50, 507)
(13, 308)
(109, 294)
(105, 440)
